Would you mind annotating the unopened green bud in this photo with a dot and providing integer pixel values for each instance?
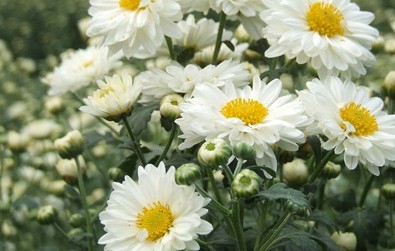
(244, 151)
(75, 233)
(246, 184)
(169, 106)
(388, 88)
(77, 220)
(346, 241)
(388, 191)
(331, 170)
(71, 145)
(297, 209)
(46, 214)
(295, 173)
(214, 152)
(187, 174)
(116, 174)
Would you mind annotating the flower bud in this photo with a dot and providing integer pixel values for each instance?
(54, 105)
(17, 142)
(169, 106)
(388, 191)
(331, 170)
(187, 174)
(297, 209)
(244, 151)
(246, 184)
(77, 220)
(347, 241)
(71, 145)
(242, 35)
(389, 85)
(214, 153)
(46, 214)
(67, 169)
(75, 233)
(295, 173)
(116, 174)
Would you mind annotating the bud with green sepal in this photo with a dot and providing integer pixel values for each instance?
(244, 151)
(346, 241)
(331, 170)
(46, 215)
(116, 174)
(388, 191)
(169, 106)
(77, 220)
(214, 152)
(295, 173)
(187, 174)
(71, 145)
(246, 184)
(388, 87)
(297, 209)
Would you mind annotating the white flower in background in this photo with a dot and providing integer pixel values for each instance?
(333, 35)
(257, 116)
(182, 80)
(80, 68)
(193, 5)
(134, 25)
(42, 129)
(114, 98)
(352, 121)
(151, 214)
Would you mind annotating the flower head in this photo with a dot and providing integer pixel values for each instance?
(354, 123)
(151, 214)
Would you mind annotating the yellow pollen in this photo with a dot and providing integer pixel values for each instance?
(105, 91)
(87, 63)
(129, 4)
(157, 220)
(364, 123)
(250, 111)
(325, 19)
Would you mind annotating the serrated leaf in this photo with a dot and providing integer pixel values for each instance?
(294, 239)
(281, 191)
(322, 218)
(140, 117)
(71, 192)
(230, 45)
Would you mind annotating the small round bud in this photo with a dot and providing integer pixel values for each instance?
(297, 209)
(77, 220)
(17, 142)
(54, 105)
(46, 214)
(187, 174)
(67, 169)
(331, 170)
(389, 85)
(388, 191)
(295, 173)
(169, 106)
(116, 174)
(71, 145)
(75, 233)
(246, 184)
(214, 153)
(346, 241)
(244, 151)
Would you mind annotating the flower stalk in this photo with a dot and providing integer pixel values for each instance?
(135, 144)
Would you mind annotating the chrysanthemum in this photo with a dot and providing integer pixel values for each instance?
(133, 25)
(257, 116)
(193, 5)
(333, 35)
(114, 98)
(152, 213)
(80, 68)
(178, 79)
(352, 121)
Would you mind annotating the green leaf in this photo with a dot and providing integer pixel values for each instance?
(230, 45)
(281, 191)
(129, 164)
(71, 192)
(322, 218)
(93, 137)
(261, 169)
(315, 144)
(140, 117)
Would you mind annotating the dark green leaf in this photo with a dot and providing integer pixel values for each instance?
(93, 137)
(129, 164)
(71, 192)
(229, 44)
(281, 191)
(140, 116)
(322, 218)
(261, 169)
(315, 144)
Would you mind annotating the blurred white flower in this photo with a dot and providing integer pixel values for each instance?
(42, 129)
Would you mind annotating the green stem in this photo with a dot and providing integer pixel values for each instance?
(392, 219)
(277, 229)
(238, 166)
(169, 43)
(81, 187)
(136, 145)
(366, 190)
(321, 193)
(214, 202)
(218, 42)
(391, 106)
(169, 141)
(228, 173)
(213, 184)
(319, 168)
(238, 226)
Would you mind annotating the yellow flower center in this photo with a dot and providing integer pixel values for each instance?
(364, 123)
(325, 19)
(129, 4)
(156, 220)
(250, 111)
(87, 63)
(105, 91)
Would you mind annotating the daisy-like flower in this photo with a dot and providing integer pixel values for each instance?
(193, 5)
(257, 116)
(178, 79)
(134, 25)
(333, 35)
(352, 121)
(114, 99)
(80, 68)
(151, 214)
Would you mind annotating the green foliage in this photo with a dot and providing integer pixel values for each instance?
(281, 191)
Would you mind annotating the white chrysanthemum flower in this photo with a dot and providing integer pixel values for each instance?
(134, 25)
(256, 116)
(333, 35)
(193, 5)
(114, 98)
(352, 121)
(178, 79)
(80, 68)
(151, 214)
